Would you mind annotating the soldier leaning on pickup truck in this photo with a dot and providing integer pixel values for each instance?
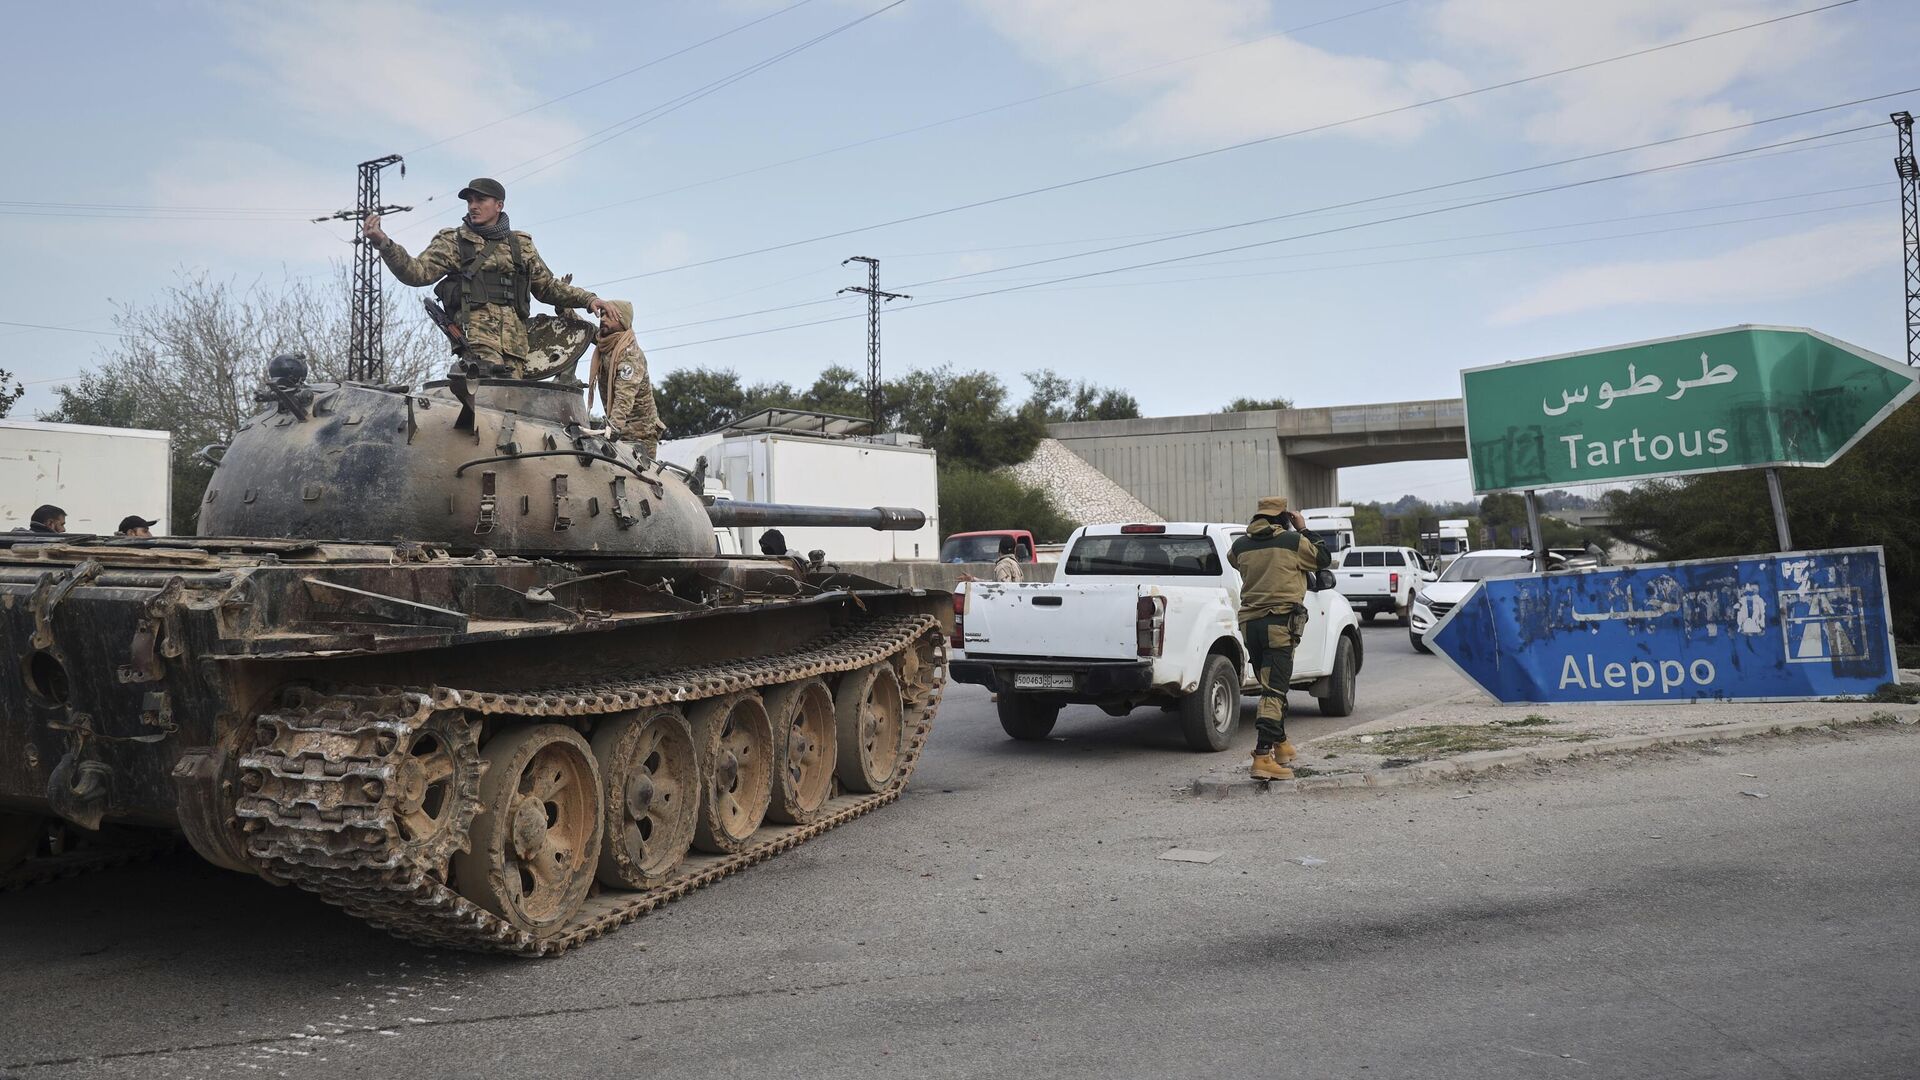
(1274, 558)
(485, 273)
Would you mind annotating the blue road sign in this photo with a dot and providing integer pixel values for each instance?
(1797, 625)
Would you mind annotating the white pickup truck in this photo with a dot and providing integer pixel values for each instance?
(1138, 615)
(1380, 580)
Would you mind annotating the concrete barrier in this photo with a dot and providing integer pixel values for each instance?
(927, 574)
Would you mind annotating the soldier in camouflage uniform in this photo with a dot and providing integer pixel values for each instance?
(1273, 559)
(620, 377)
(485, 272)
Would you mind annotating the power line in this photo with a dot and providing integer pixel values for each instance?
(1260, 243)
(682, 51)
(672, 105)
(988, 111)
(1263, 140)
(1324, 267)
(1339, 206)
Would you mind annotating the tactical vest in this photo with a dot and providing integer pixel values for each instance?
(471, 287)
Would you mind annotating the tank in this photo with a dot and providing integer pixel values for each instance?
(458, 664)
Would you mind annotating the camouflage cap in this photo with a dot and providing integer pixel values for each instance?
(1271, 507)
(484, 185)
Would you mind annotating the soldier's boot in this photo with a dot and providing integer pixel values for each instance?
(1284, 752)
(1267, 767)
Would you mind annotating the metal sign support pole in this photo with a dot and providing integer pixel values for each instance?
(1534, 535)
(1779, 510)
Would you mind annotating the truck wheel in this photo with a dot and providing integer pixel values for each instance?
(1367, 616)
(1405, 615)
(1418, 645)
(1210, 716)
(1340, 683)
(1025, 718)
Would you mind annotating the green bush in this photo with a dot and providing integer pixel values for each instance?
(972, 500)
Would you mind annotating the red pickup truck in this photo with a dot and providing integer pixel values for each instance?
(984, 546)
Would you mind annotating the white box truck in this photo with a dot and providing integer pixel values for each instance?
(98, 475)
(781, 467)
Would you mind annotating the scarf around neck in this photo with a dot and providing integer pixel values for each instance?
(496, 231)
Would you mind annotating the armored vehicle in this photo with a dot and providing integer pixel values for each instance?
(457, 663)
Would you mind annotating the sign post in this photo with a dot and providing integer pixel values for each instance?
(1778, 627)
(1746, 397)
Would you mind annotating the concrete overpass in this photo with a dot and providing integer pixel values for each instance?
(1212, 467)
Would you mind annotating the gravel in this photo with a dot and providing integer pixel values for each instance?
(1083, 493)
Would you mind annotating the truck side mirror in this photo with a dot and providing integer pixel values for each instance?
(1320, 580)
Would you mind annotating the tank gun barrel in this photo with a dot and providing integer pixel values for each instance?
(729, 512)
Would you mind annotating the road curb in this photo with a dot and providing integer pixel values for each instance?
(1229, 782)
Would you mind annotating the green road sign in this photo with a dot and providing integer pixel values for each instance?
(1740, 398)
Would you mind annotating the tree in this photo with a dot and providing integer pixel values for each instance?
(1057, 399)
(839, 390)
(1244, 404)
(1866, 498)
(973, 499)
(191, 362)
(9, 396)
(964, 417)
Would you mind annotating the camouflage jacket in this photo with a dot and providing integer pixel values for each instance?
(498, 325)
(1273, 565)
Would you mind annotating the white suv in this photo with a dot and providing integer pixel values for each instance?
(1380, 580)
(1458, 579)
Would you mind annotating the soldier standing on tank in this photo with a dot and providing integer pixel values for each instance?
(485, 273)
(620, 378)
(1274, 558)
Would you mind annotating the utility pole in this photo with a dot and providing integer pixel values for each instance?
(1909, 174)
(872, 291)
(366, 343)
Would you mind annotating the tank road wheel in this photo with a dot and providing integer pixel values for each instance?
(20, 836)
(805, 746)
(651, 789)
(871, 718)
(537, 839)
(736, 770)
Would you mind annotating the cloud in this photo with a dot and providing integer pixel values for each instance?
(400, 71)
(1778, 268)
(1264, 88)
(226, 174)
(1671, 92)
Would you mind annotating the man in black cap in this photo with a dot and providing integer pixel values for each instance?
(136, 526)
(48, 519)
(486, 271)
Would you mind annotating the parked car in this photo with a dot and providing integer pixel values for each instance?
(1458, 579)
(1140, 615)
(1380, 580)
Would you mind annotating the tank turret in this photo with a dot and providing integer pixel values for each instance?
(501, 464)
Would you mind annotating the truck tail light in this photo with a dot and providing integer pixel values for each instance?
(1150, 626)
(1132, 530)
(1393, 583)
(959, 643)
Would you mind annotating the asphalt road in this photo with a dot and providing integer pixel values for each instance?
(1633, 917)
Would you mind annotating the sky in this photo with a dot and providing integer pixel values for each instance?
(1336, 201)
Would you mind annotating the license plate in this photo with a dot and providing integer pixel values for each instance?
(1033, 680)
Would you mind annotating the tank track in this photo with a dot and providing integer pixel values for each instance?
(321, 814)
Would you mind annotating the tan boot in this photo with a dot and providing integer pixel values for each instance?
(1284, 752)
(1268, 767)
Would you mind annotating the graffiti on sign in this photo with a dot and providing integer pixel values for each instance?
(1763, 627)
